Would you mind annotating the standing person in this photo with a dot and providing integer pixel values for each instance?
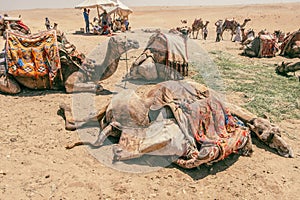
(237, 37)
(86, 13)
(47, 23)
(104, 16)
(126, 23)
(109, 22)
(218, 24)
(205, 32)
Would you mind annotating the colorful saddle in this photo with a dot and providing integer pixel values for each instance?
(33, 56)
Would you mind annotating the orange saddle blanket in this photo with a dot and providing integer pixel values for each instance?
(34, 55)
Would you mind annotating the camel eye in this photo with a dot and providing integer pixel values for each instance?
(260, 132)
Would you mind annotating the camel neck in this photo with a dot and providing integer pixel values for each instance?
(110, 63)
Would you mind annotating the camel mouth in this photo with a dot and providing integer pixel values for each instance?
(286, 152)
(121, 154)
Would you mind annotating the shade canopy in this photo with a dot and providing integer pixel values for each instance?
(95, 4)
(120, 9)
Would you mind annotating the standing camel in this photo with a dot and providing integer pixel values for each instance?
(232, 25)
(197, 25)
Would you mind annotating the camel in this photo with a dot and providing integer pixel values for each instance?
(285, 68)
(197, 25)
(181, 118)
(164, 58)
(290, 47)
(247, 37)
(232, 25)
(280, 35)
(183, 21)
(76, 74)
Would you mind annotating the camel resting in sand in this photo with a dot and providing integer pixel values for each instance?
(231, 25)
(73, 71)
(285, 68)
(179, 118)
(164, 58)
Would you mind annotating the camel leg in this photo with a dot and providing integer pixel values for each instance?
(76, 83)
(101, 137)
(72, 124)
(9, 85)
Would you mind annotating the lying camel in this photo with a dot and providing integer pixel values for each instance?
(247, 36)
(164, 58)
(231, 25)
(74, 70)
(285, 68)
(179, 118)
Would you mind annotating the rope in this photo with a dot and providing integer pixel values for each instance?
(126, 58)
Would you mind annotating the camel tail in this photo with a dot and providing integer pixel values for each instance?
(93, 145)
(71, 146)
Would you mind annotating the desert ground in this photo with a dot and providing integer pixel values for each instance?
(35, 164)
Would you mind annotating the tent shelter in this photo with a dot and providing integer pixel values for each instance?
(121, 9)
(95, 4)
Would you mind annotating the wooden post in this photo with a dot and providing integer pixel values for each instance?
(98, 12)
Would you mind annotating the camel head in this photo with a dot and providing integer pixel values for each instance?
(280, 68)
(270, 134)
(247, 20)
(123, 44)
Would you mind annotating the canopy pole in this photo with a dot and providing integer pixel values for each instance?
(98, 12)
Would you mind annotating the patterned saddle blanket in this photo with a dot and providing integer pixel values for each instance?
(33, 56)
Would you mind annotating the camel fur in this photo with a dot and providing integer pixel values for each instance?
(168, 122)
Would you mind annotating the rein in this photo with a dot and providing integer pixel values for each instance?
(126, 59)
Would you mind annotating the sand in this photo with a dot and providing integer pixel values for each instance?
(35, 164)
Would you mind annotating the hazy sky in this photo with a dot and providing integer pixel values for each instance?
(31, 4)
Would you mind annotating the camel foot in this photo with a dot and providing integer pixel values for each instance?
(69, 122)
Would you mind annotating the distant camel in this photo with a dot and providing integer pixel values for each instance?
(232, 25)
(197, 25)
(183, 21)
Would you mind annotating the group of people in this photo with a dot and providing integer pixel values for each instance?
(104, 25)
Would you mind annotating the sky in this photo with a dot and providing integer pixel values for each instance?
(32, 4)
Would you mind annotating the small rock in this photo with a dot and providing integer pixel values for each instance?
(47, 176)
(2, 172)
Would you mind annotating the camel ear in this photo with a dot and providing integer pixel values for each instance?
(266, 116)
(251, 126)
